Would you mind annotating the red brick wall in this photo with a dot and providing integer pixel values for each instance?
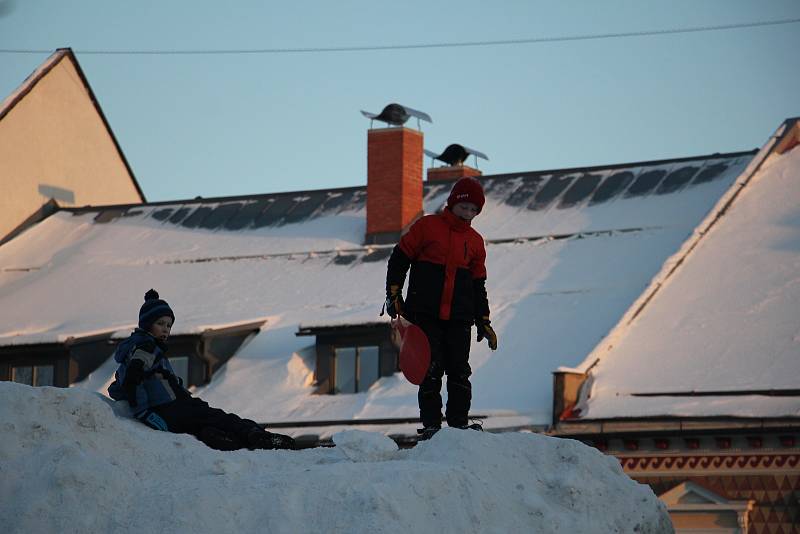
(394, 179)
(451, 173)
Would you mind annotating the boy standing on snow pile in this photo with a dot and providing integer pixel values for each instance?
(446, 295)
(145, 379)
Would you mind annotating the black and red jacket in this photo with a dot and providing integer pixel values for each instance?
(448, 272)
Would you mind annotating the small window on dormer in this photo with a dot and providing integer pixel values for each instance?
(355, 368)
(33, 375)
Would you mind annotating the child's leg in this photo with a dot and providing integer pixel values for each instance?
(191, 416)
(456, 344)
(429, 396)
(212, 425)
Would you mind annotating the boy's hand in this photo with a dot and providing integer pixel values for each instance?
(394, 301)
(485, 330)
(154, 421)
(133, 377)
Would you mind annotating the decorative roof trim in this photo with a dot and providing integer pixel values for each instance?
(650, 425)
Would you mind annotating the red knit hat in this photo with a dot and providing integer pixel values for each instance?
(467, 190)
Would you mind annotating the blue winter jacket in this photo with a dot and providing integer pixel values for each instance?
(160, 384)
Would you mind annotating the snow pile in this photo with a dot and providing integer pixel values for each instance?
(68, 463)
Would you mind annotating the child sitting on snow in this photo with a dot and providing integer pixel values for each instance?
(157, 397)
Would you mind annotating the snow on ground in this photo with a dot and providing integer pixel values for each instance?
(70, 461)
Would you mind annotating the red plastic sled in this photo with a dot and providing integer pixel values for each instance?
(415, 351)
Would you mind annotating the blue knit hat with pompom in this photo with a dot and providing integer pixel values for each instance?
(152, 309)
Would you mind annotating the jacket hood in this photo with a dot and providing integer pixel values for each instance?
(137, 337)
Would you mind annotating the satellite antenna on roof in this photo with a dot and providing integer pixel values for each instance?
(396, 115)
(456, 154)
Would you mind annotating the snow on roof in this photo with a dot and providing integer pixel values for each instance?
(568, 252)
(721, 337)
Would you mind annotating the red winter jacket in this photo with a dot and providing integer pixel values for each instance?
(448, 272)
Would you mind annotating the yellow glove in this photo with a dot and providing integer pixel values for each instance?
(485, 330)
(394, 301)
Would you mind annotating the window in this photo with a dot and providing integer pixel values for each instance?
(180, 364)
(355, 368)
(33, 375)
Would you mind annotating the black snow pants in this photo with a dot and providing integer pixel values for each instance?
(450, 342)
(194, 416)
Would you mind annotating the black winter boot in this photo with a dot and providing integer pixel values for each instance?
(219, 439)
(473, 426)
(427, 432)
(261, 439)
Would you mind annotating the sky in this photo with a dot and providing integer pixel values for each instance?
(235, 124)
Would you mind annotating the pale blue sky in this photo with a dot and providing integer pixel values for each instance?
(216, 125)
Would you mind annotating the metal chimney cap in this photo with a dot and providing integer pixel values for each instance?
(397, 115)
(456, 154)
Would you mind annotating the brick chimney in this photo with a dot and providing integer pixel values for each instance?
(394, 182)
(454, 172)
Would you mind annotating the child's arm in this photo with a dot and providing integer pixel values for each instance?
(395, 278)
(482, 322)
(139, 360)
(402, 255)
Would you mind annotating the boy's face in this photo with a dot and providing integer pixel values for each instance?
(465, 210)
(161, 328)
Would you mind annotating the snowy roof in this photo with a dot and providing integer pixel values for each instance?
(717, 333)
(568, 252)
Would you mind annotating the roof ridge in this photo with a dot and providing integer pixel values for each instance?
(503, 176)
(651, 163)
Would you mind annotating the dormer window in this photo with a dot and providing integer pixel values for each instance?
(194, 357)
(33, 375)
(351, 358)
(356, 368)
